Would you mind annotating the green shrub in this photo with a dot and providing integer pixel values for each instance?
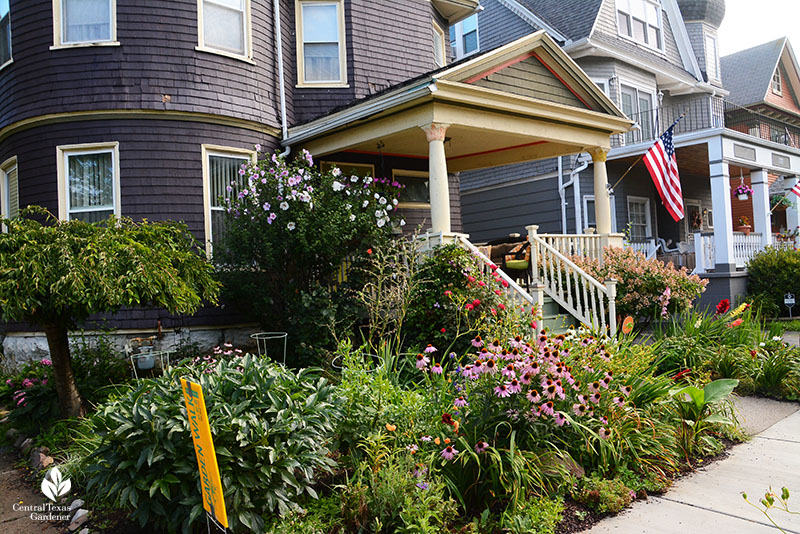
(271, 429)
(604, 495)
(777, 370)
(642, 283)
(534, 516)
(98, 367)
(773, 273)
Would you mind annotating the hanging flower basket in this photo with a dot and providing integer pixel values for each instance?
(743, 192)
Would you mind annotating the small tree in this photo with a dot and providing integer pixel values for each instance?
(57, 273)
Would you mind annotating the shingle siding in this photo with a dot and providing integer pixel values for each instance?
(498, 25)
(532, 79)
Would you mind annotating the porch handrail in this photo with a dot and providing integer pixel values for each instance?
(514, 292)
(591, 302)
(587, 245)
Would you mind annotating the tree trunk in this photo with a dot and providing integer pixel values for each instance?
(68, 397)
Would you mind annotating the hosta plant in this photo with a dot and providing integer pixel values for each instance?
(270, 426)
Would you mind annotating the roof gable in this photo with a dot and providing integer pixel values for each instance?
(747, 74)
(535, 67)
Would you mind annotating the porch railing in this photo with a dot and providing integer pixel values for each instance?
(745, 246)
(586, 245)
(585, 298)
(649, 248)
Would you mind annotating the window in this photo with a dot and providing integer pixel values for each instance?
(589, 215)
(776, 82)
(320, 43)
(602, 84)
(88, 181)
(439, 50)
(638, 106)
(221, 167)
(639, 219)
(640, 20)
(464, 37)
(225, 27)
(9, 192)
(416, 193)
(5, 33)
(362, 170)
(84, 22)
(712, 61)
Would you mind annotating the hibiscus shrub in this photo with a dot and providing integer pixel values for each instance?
(646, 289)
(289, 230)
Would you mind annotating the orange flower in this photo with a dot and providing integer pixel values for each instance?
(390, 427)
(735, 323)
(455, 427)
(437, 440)
(447, 440)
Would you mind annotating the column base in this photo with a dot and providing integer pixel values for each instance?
(725, 268)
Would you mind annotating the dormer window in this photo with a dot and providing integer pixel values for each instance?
(464, 37)
(776, 82)
(321, 43)
(640, 20)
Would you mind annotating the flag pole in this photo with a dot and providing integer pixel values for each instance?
(643, 155)
(779, 202)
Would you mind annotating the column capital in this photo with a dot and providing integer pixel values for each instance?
(435, 131)
(599, 154)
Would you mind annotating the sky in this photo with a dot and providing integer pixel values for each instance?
(748, 23)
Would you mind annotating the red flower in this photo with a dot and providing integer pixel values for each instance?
(447, 419)
(498, 291)
(369, 251)
(470, 279)
(533, 325)
(469, 307)
(443, 330)
(494, 312)
(682, 374)
(505, 284)
(476, 302)
(493, 267)
(723, 306)
(501, 306)
(735, 323)
(448, 293)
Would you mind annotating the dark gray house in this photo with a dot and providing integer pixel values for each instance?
(656, 60)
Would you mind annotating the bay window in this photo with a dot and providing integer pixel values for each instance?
(84, 22)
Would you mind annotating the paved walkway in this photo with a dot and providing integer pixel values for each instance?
(15, 489)
(710, 500)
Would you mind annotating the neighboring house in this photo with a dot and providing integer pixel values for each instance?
(148, 109)
(653, 58)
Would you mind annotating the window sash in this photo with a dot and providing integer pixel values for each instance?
(223, 171)
(439, 49)
(320, 42)
(5, 32)
(641, 20)
(90, 184)
(638, 219)
(225, 25)
(86, 21)
(777, 81)
(416, 191)
(11, 200)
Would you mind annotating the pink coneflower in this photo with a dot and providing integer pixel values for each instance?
(460, 402)
(516, 342)
(467, 371)
(449, 452)
(582, 399)
(430, 349)
(547, 408)
(425, 438)
(509, 371)
(626, 390)
(594, 387)
(477, 342)
(605, 382)
(436, 369)
(619, 401)
(526, 378)
(489, 366)
(604, 433)
(595, 398)
(533, 395)
(481, 447)
(550, 391)
(560, 419)
(514, 386)
(579, 409)
(502, 391)
(412, 448)
(603, 420)
(422, 361)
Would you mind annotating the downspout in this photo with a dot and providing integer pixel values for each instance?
(561, 194)
(575, 181)
(281, 81)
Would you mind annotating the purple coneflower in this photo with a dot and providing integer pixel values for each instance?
(460, 402)
(429, 349)
(626, 390)
(595, 398)
(547, 408)
(533, 395)
(594, 387)
(481, 447)
(477, 342)
(449, 452)
(604, 433)
(579, 409)
(489, 366)
(502, 391)
(619, 401)
(422, 361)
(436, 369)
(509, 371)
(425, 438)
(514, 386)
(560, 419)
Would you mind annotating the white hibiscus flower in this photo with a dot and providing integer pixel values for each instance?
(290, 226)
(284, 205)
(337, 186)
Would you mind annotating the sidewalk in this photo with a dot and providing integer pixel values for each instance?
(710, 499)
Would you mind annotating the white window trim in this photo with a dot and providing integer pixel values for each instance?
(11, 36)
(5, 168)
(412, 174)
(714, 55)
(63, 151)
(686, 222)
(613, 203)
(58, 42)
(247, 57)
(301, 81)
(458, 50)
(207, 150)
(606, 84)
(661, 49)
(440, 32)
(624, 84)
(777, 73)
(648, 216)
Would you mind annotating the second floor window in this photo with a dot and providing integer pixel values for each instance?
(464, 37)
(439, 51)
(641, 21)
(777, 82)
(225, 26)
(320, 43)
(86, 21)
(712, 61)
(5, 33)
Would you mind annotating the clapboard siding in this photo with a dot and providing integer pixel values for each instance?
(495, 176)
(532, 79)
(498, 25)
(156, 57)
(495, 213)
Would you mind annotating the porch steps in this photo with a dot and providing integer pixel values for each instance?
(555, 318)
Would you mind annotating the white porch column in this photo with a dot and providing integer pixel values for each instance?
(438, 185)
(762, 217)
(602, 201)
(793, 212)
(723, 218)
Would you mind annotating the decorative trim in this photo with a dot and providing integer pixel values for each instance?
(435, 131)
(599, 155)
(72, 116)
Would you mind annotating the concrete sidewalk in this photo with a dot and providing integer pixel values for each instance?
(710, 499)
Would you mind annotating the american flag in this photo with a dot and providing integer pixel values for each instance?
(663, 167)
(796, 189)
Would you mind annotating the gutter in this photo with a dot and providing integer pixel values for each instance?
(281, 80)
(360, 112)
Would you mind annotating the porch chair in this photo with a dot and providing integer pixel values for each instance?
(517, 262)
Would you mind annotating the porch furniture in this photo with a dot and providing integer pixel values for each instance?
(665, 245)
